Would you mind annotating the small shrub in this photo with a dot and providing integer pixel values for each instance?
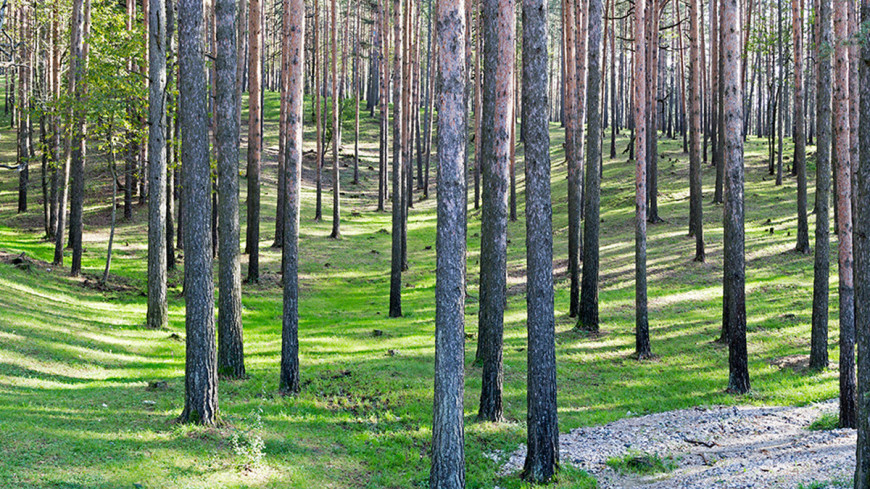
(249, 446)
(642, 463)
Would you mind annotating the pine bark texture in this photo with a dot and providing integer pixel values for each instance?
(592, 207)
(573, 159)
(696, 198)
(734, 310)
(255, 141)
(79, 57)
(641, 320)
(843, 171)
(231, 359)
(398, 200)
(821, 265)
(156, 316)
(448, 435)
(800, 152)
(295, 81)
(200, 401)
(542, 459)
(862, 263)
(498, 66)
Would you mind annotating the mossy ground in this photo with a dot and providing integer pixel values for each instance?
(75, 360)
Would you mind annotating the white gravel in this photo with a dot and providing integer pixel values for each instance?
(715, 447)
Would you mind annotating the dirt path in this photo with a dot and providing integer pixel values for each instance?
(717, 447)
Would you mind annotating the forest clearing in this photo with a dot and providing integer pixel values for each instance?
(640, 284)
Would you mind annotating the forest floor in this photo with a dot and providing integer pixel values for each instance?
(88, 396)
(726, 447)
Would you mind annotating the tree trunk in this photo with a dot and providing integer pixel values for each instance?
(231, 363)
(734, 308)
(642, 346)
(542, 458)
(573, 160)
(255, 142)
(821, 265)
(800, 161)
(589, 288)
(200, 402)
(294, 79)
(398, 166)
(157, 309)
(840, 102)
(79, 32)
(448, 453)
(696, 208)
(862, 264)
(336, 128)
(498, 67)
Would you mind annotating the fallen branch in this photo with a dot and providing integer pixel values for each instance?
(708, 444)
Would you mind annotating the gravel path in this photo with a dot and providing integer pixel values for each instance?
(717, 447)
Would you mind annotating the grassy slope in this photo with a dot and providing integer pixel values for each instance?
(75, 362)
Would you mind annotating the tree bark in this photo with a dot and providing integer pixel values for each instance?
(498, 66)
(734, 309)
(157, 309)
(800, 161)
(200, 403)
(448, 452)
(642, 346)
(398, 167)
(231, 359)
(589, 288)
(862, 263)
(79, 56)
(696, 208)
(336, 128)
(542, 458)
(573, 159)
(295, 82)
(840, 102)
(255, 141)
(821, 265)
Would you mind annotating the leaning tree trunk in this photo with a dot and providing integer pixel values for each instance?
(200, 401)
(734, 309)
(542, 458)
(231, 359)
(294, 74)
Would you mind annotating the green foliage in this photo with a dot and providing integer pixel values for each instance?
(640, 463)
(116, 102)
(825, 422)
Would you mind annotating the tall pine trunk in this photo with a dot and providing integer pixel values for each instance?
(542, 458)
(200, 400)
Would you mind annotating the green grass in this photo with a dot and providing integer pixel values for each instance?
(75, 361)
(832, 484)
(825, 422)
(642, 463)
